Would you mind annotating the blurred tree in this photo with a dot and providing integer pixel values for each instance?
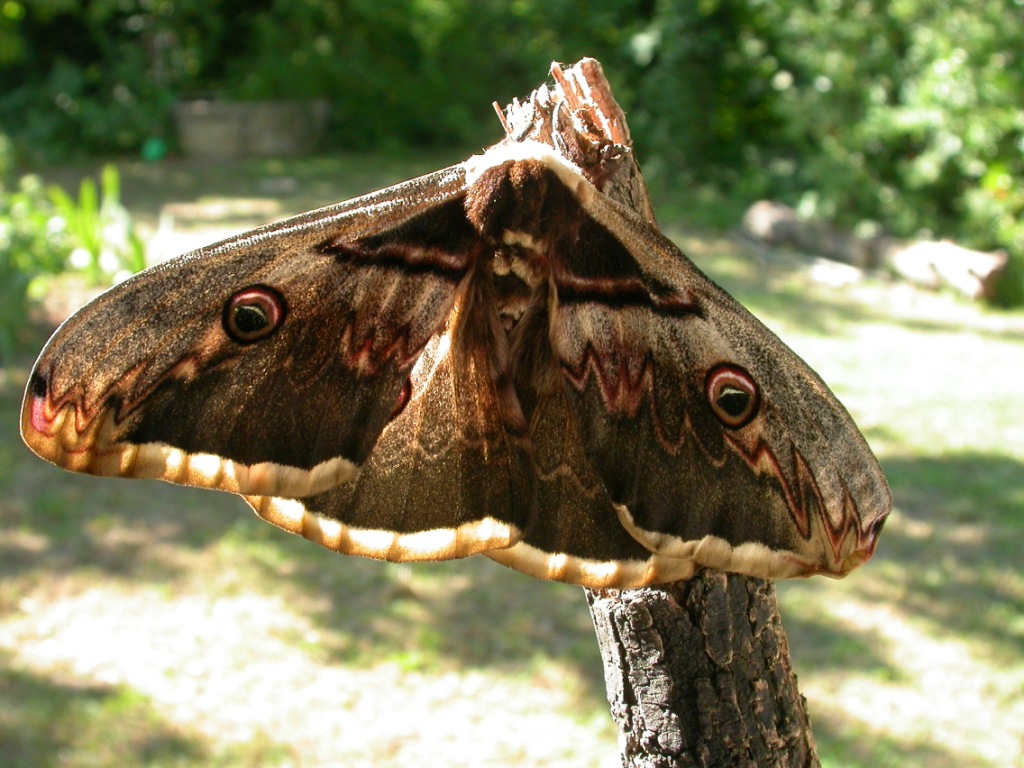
(901, 115)
(897, 115)
(80, 76)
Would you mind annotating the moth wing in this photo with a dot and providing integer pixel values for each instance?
(646, 344)
(576, 537)
(451, 474)
(163, 376)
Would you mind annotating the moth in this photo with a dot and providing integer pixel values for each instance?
(494, 358)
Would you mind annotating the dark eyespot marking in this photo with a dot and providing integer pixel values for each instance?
(253, 313)
(732, 395)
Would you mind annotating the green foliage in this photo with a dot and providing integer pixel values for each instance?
(87, 77)
(101, 76)
(44, 232)
(31, 244)
(400, 72)
(898, 116)
(100, 230)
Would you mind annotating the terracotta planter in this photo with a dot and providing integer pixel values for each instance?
(224, 129)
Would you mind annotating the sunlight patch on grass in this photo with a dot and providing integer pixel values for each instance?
(947, 697)
(224, 669)
(57, 718)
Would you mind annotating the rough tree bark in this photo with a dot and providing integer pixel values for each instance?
(697, 672)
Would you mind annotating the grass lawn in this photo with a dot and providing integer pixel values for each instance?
(147, 625)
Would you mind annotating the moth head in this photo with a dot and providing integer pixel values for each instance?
(253, 313)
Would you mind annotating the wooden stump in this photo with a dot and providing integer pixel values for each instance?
(698, 674)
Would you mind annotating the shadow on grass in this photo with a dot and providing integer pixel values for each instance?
(775, 289)
(961, 547)
(962, 488)
(944, 561)
(67, 521)
(461, 614)
(819, 645)
(46, 723)
(473, 613)
(842, 745)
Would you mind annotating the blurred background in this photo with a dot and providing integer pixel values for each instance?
(852, 171)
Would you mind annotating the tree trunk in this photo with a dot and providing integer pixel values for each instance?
(697, 672)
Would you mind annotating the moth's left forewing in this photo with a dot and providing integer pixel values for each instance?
(716, 441)
(268, 363)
